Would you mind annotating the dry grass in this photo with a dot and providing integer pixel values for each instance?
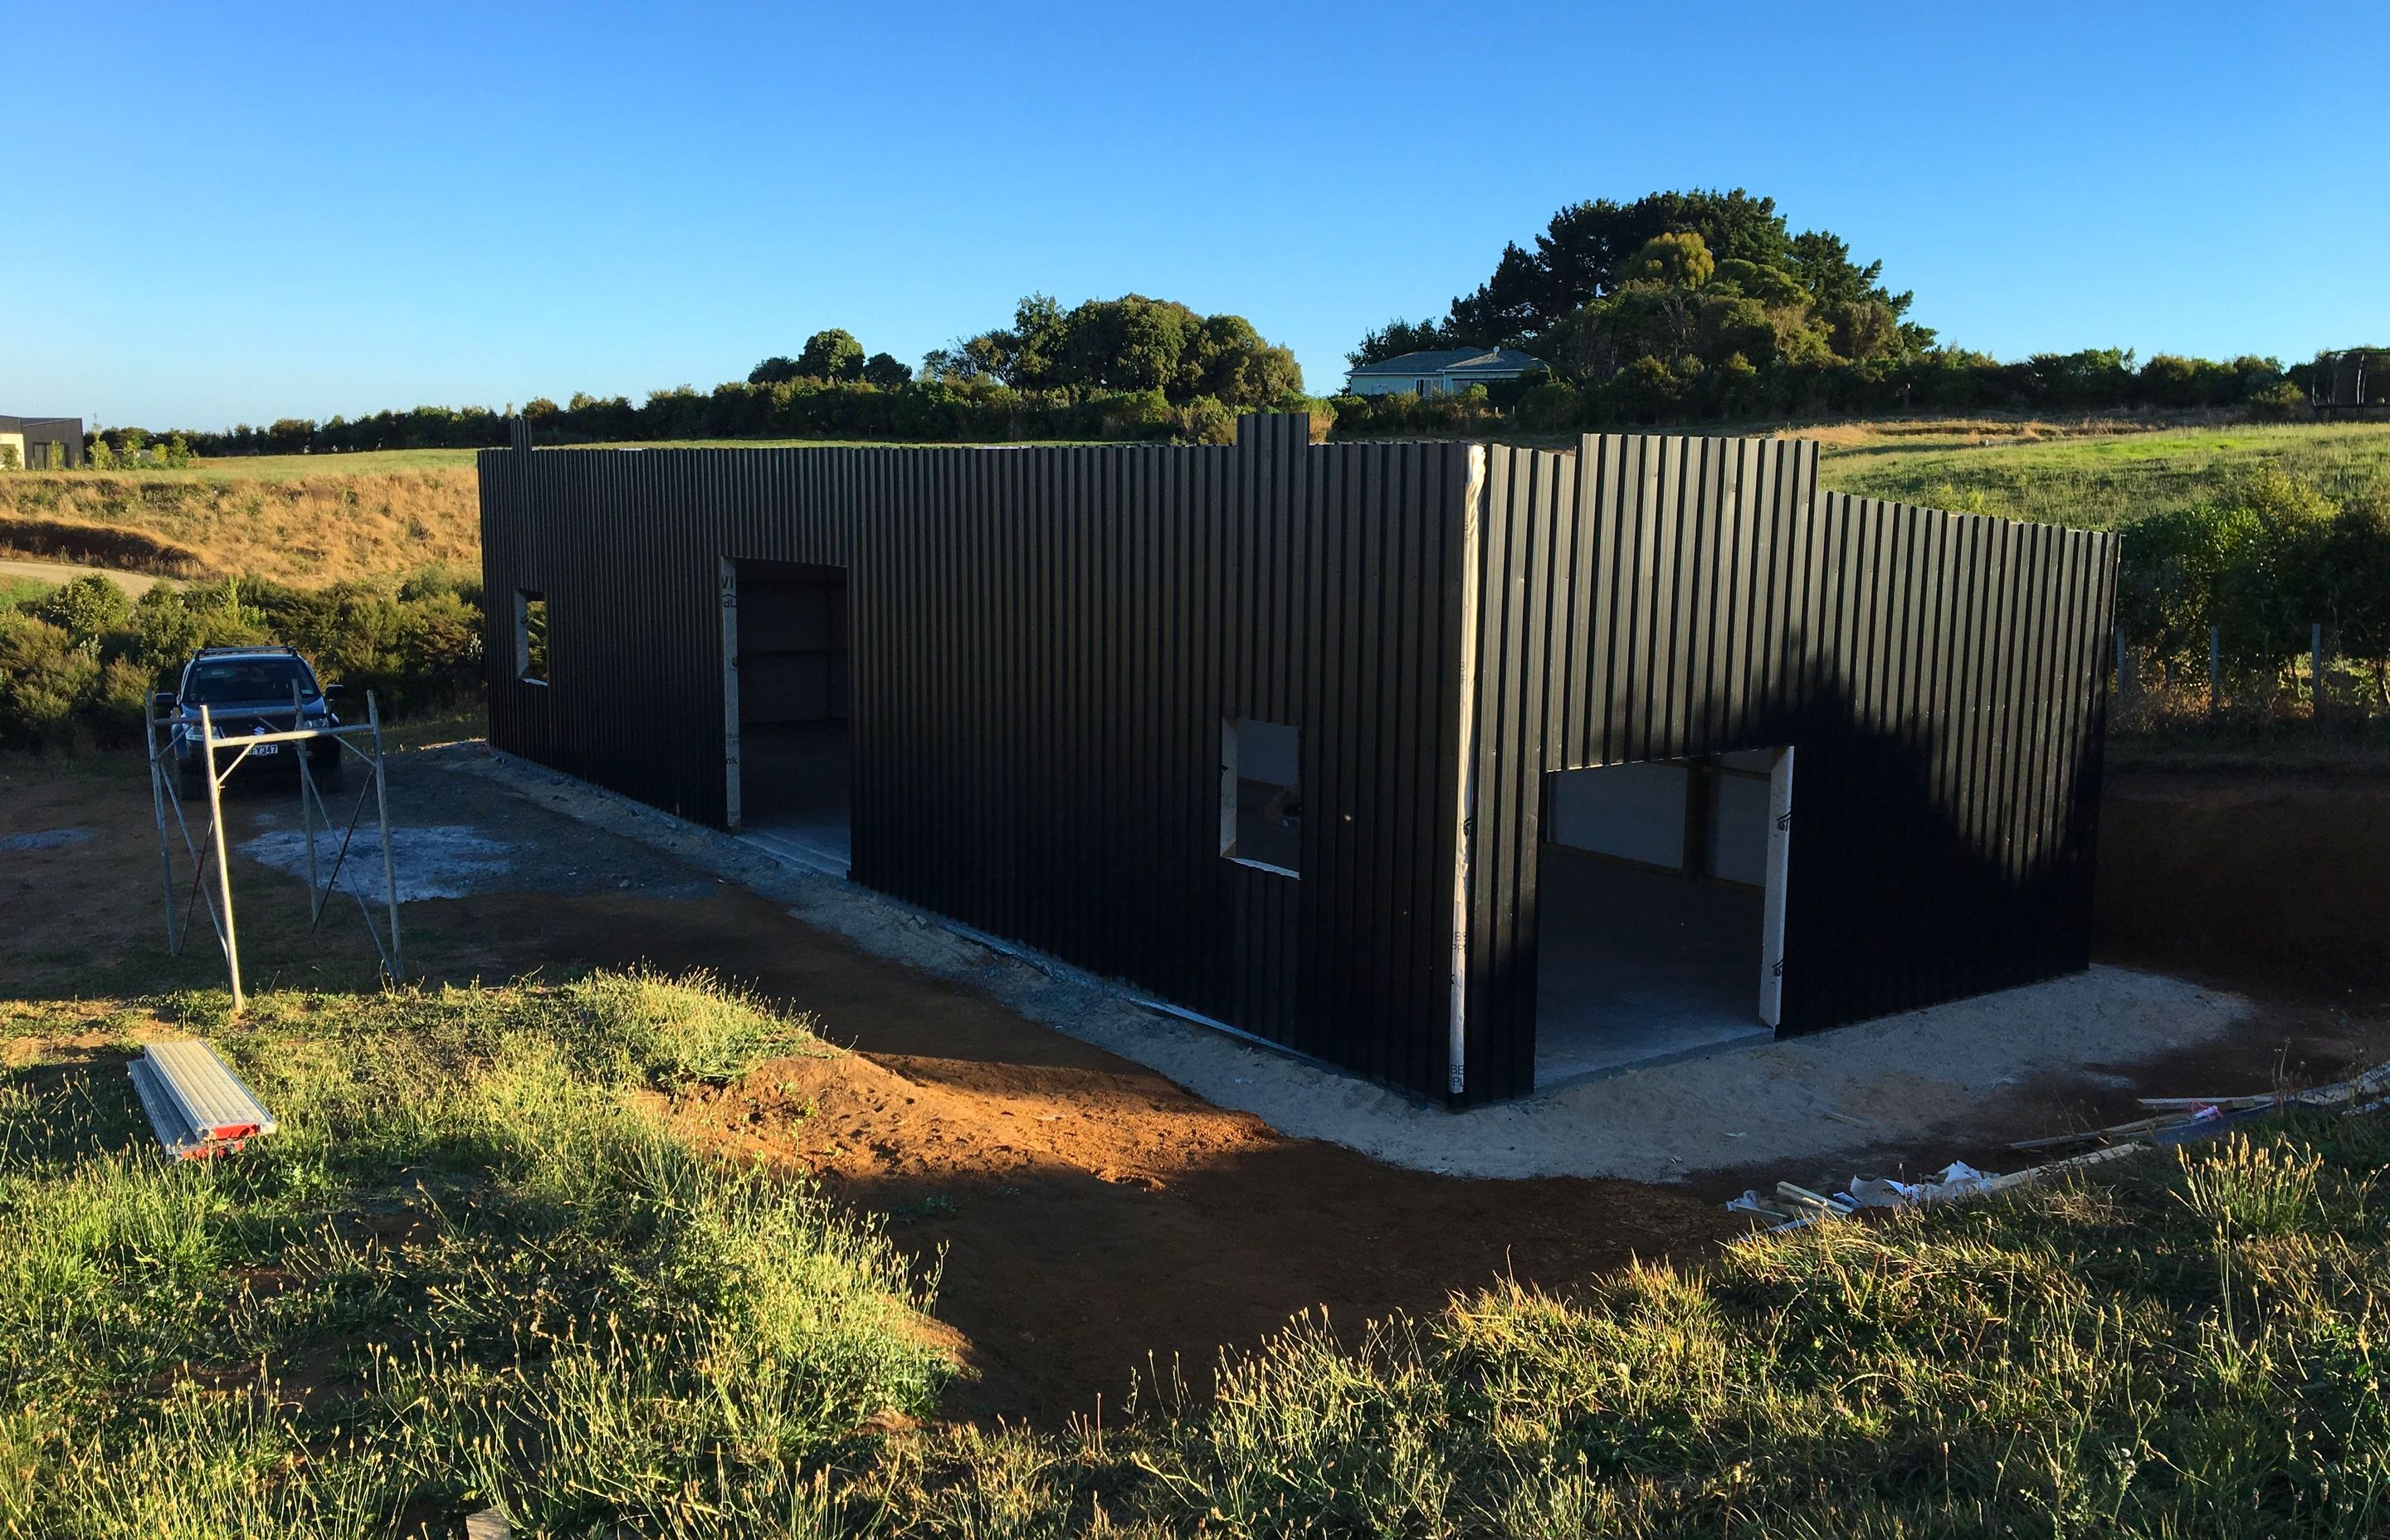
(1953, 432)
(308, 530)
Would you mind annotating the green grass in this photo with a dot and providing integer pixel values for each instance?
(289, 467)
(479, 1266)
(476, 1266)
(2097, 481)
(2191, 1345)
(17, 590)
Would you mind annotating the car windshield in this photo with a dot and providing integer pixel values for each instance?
(248, 681)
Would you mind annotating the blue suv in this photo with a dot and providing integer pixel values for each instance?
(247, 690)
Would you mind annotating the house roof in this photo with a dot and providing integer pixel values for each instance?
(1460, 361)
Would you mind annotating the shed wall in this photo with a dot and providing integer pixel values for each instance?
(1046, 641)
(1941, 675)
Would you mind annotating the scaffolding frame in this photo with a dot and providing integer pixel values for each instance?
(207, 850)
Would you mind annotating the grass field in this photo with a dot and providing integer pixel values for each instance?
(319, 518)
(475, 1265)
(483, 1264)
(15, 590)
(2086, 475)
(308, 530)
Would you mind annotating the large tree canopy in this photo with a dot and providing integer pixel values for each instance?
(1590, 252)
(1129, 344)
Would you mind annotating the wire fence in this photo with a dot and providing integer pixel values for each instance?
(2156, 688)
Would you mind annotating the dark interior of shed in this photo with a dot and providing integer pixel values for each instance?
(1651, 913)
(794, 687)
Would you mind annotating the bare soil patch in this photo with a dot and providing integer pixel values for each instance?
(2273, 883)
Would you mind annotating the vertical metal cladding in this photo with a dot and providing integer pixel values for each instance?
(1941, 675)
(1045, 642)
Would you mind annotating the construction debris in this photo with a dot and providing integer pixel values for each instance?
(197, 1106)
(2174, 1120)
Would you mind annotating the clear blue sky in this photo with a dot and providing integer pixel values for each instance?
(303, 209)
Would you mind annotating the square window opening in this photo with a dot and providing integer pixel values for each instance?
(531, 636)
(1261, 794)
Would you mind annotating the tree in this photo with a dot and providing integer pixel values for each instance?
(1397, 338)
(832, 354)
(1679, 260)
(885, 370)
(1131, 345)
(774, 370)
(84, 608)
(1586, 252)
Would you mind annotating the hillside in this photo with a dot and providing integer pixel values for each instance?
(310, 528)
(2090, 474)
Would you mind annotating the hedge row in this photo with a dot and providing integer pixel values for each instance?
(1652, 392)
(921, 412)
(78, 663)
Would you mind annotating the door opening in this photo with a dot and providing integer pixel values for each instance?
(1660, 914)
(789, 690)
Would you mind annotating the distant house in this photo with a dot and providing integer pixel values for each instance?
(1442, 372)
(41, 443)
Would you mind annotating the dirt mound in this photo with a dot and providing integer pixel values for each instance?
(1096, 1222)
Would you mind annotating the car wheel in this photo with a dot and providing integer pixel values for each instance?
(329, 774)
(194, 780)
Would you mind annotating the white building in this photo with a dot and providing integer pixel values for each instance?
(1442, 372)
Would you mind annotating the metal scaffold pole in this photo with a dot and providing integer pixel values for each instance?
(209, 853)
(216, 829)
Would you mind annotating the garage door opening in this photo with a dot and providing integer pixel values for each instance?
(1661, 916)
(789, 685)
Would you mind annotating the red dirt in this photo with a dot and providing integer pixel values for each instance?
(1090, 1213)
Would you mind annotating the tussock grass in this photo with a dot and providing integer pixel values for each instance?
(305, 530)
(2191, 1345)
(476, 1268)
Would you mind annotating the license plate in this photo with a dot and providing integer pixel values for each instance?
(267, 749)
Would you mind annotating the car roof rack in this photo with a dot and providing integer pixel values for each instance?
(251, 648)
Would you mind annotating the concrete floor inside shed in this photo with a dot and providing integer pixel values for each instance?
(796, 794)
(1638, 968)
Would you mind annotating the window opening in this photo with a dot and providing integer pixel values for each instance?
(1261, 794)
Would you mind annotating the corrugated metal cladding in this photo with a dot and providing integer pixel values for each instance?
(1046, 642)
(1942, 676)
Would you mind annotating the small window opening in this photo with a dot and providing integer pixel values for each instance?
(1261, 794)
(531, 636)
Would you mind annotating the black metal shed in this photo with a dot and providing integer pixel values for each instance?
(1280, 734)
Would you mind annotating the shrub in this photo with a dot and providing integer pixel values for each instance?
(45, 678)
(82, 661)
(84, 608)
(1206, 420)
(2280, 401)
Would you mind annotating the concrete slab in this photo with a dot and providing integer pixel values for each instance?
(1639, 966)
(1905, 1089)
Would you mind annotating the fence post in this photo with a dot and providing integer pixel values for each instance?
(2315, 667)
(2120, 660)
(2215, 668)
